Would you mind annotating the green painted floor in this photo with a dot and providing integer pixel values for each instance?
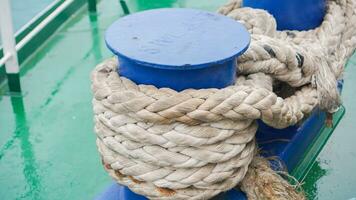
(47, 143)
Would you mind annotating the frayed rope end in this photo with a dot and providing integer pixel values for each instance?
(261, 182)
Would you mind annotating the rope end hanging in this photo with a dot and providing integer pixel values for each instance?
(327, 87)
(261, 183)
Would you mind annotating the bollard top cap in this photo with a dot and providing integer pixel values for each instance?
(177, 38)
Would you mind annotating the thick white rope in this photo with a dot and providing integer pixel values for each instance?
(195, 144)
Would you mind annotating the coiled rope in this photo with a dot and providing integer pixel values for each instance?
(195, 144)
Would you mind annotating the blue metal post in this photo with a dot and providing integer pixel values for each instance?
(292, 14)
(178, 48)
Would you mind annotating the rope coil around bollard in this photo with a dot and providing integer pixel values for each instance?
(194, 144)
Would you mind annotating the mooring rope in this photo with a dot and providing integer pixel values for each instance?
(195, 144)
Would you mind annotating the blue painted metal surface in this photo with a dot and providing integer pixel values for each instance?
(118, 192)
(292, 14)
(289, 144)
(178, 48)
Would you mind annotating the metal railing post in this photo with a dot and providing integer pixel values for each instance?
(124, 7)
(9, 47)
(92, 5)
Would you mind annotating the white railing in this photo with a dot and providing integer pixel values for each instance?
(44, 23)
(8, 39)
(10, 48)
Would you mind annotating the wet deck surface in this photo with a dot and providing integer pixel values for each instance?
(47, 143)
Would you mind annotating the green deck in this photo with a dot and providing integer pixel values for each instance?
(47, 143)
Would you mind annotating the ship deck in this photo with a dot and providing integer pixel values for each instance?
(47, 143)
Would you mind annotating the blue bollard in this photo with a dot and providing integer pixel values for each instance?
(178, 48)
(292, 14)
(185, 48)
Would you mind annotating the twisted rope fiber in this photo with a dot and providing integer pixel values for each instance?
(195, 144)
